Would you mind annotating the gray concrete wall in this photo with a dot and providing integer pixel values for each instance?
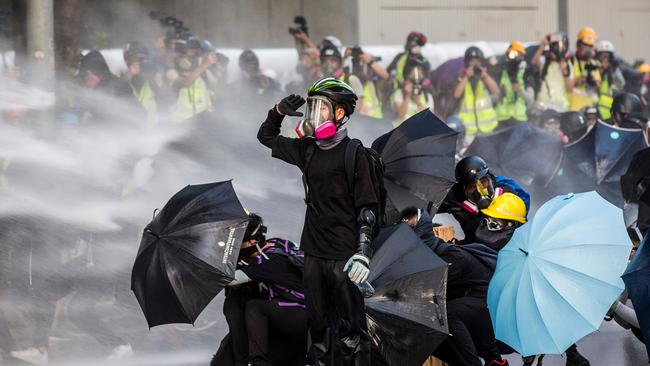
(227, 23)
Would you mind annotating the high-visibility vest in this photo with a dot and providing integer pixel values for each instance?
(399, 70)
(553, 93)
(582, 95)
(511, 105)
(371, 102)
(146, 98)
(412, 108)
(476, 111)
(606, 98)
(192, 100)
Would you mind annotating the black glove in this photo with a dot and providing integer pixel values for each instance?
(289, 105)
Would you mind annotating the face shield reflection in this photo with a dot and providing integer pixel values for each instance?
(318, 112)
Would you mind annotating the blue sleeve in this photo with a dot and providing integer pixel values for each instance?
(514, 186)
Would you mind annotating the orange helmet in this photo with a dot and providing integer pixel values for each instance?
(643, 68)
(587, 36)
(517, 47)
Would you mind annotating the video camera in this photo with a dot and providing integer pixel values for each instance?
(300, 26)
(174, 27)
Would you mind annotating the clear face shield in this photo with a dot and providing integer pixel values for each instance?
(319, 119)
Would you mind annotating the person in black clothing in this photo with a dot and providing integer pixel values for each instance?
(474, 190)
(470, 271)
(339, 223)
(265, 304)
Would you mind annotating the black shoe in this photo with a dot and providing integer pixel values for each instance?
(502, 362)
(574, 358)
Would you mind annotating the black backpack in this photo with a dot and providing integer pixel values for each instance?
(377, 170)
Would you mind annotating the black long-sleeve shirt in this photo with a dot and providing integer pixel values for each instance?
(330, 230)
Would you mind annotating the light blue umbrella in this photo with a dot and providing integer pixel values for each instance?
(559, 274)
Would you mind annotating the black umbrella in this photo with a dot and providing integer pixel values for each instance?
(523, 152)
(419, 160)
(636, 278)
(407, 316)
(188, 253)
(598, 160)
(635, 184)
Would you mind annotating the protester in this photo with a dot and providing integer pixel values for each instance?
(472, 337)
(624, 105)
(555, 73)
(277, 313)
(339, 221)
(477, 92)
(474, 190)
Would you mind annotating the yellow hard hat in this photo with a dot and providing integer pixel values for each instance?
(587, 35)
(643, 68)
(516, 46)
(507, 206)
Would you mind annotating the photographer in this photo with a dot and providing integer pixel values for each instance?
(308, 56)
(414, 43)
(555, 80)
(612, 79)
(193, 96)
(585, 72)
(415, 94)
(516, 94)
(372, 77)
(476, 91)
(253, 83)
(142, 80)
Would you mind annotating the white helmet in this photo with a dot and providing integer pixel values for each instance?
(604, 46)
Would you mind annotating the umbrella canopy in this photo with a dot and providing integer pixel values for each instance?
(188, 253)
(407, 316)
(637, 278)
(635, 184)
(523, 152)
(446, 75)
(419, 160)
(559, 274)
(598, 160)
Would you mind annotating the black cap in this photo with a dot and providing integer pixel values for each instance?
(470, 169)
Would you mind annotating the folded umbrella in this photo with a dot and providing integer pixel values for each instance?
(419, 160)
(559, 274)
(188, 253)
(637, 278)
(523, 152)
(407, 316)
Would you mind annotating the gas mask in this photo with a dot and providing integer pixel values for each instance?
(481, 192)
(92, 80)
(186, 63)
(319, 120)
(584, 54)
(487, 233)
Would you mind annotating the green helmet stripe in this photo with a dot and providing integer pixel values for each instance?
(327, 82)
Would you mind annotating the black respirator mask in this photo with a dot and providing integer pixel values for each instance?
(495, 239)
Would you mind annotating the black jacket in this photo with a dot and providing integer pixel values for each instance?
(330, 230)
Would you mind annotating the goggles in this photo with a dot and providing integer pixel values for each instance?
(495, 224)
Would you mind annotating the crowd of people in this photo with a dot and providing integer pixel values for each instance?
(290, 302)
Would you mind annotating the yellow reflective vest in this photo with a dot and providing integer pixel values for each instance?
(371, 102)
(146, 98)
(192, 100)
(582, 95)
(606, 98)
(476, 110)
(511, 105)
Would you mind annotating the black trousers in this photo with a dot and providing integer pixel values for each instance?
(234, 309)
(267, 321)
(472, 336)
(338, 332)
